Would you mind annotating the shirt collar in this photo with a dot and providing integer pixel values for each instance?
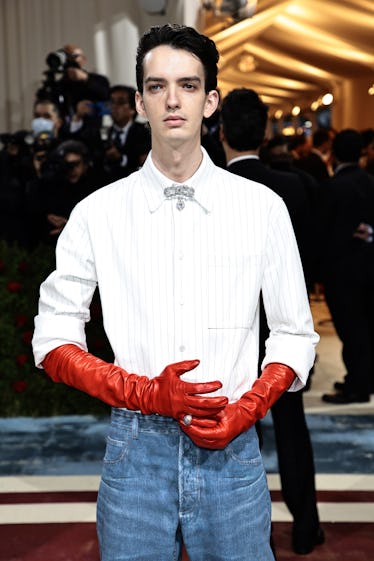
(154, 182)
(244, 157)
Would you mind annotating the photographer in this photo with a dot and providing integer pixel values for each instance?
(121, 148)
(76, 83)
(66, 176)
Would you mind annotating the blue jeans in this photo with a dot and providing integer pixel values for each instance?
(158, 486)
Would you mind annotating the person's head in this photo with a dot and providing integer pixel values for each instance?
(244, 119)
(299, 145)
(47, 117)
(184, 38)
(122, 104)
(367, 137)
(347, 146)
(322, 140)
(76, 54)
(75, 159)
(176, 76)
(277, 152)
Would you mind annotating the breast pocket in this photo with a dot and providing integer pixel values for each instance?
(234, 283)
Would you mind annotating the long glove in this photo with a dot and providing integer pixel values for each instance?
(165, 394)
(240, 416)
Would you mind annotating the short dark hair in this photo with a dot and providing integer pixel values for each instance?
(244, 117)
(179, 37)
(119, 88)
(347, 146)
(320, 136)
(73, 147)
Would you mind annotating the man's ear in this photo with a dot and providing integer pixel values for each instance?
(140, 104)
(211, 103)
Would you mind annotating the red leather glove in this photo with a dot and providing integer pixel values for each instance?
(240, 416)
(166, 394)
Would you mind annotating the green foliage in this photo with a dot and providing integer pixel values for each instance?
(24, 389)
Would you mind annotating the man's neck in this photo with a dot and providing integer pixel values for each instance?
(231, 153)
(178, 164)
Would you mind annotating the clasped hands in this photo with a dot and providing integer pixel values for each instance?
(211, 421)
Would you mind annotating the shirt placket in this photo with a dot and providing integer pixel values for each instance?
(180, 287)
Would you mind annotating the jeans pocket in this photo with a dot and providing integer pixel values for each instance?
(116, 449)
(244, 449)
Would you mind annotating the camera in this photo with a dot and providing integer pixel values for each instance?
(59, 60)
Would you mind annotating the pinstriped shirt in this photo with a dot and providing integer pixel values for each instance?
(182, 284)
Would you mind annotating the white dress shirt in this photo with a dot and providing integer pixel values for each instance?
(182, 284)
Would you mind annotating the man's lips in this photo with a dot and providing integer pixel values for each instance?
(174, 120)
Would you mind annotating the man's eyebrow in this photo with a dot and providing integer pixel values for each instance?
(162, 80)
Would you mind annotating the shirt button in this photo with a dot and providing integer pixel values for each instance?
(181, 255)
(182, 348)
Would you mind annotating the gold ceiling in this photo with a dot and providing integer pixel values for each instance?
(294, 51)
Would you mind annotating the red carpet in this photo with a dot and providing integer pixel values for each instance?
(77, 542)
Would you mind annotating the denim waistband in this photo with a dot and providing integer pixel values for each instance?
(144, 422)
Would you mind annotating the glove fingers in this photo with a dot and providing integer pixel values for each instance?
(203, 406)
(192, 388)
(179, 368)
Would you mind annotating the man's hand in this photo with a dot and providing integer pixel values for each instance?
(166, 394)
(235, 418)
(175, 398)
(58, 222)
(76, 74)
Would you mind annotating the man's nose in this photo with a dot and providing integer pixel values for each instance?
(172, 99)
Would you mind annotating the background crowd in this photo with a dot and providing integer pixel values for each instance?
(85, 133)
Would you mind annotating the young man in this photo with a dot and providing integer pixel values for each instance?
(180, 251)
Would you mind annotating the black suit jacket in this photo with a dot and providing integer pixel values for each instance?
(292, 190)
(348, 200)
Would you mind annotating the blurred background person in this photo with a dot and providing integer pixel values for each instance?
(122, 147)
(244, 119)
(66, 176)
(347, 221)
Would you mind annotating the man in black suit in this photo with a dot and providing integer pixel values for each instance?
(244, 119)
(348, 266)
(122, 147)
(316, 162)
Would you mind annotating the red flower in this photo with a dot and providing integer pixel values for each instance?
(21, 320)
(22, 359)
(23, 266)
(26, 337)
(14, 286)
(19, 386)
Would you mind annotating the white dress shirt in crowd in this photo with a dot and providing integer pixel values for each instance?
(182, 284)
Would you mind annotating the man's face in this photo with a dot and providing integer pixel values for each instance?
(174, 100)
(76, 167)
(78, 56)
(120, 108)
(47, 111)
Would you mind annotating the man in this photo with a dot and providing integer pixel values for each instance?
(348, 266)
(317, 161)
(78, 84)
(180, 251)
(128, 141)
(244, 120)
(66, 177)
(47, 119)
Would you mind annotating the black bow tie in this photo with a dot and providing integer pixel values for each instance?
(181, 193)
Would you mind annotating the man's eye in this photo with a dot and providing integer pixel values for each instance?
(189, 86)
(154, 87)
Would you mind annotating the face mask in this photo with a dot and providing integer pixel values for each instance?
(41, 125)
